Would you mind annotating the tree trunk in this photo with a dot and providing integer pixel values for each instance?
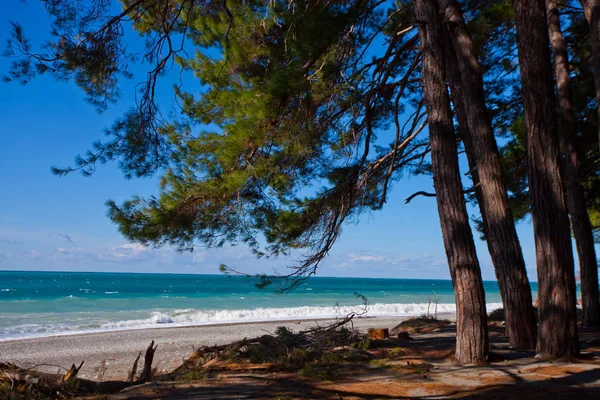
(557, 327)
(471, 318)
(466, 84)
(576, 205)
(591, 9)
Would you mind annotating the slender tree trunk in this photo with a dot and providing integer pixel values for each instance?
(591, 9)
(557, 327)
(582, 228)
(466, 84)
(471, 318)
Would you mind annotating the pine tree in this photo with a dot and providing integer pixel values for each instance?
(471, 318)
(309, 112)
(575, 196)
(557, 327)
(591, 9)
(466, 83)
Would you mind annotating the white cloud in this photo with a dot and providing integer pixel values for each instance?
(121, 253)
(129, 249)
(385, 261)
(365, 258)
(381, 258)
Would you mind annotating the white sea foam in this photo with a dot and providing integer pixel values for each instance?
(209, 317)
(188, 317)
(157, 318)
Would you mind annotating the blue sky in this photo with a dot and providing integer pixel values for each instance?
(52, 223)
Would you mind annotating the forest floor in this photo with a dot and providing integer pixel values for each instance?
(417, 367)
(421, 368)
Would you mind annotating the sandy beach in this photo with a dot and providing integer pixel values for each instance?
(118, 349)
(421, 366)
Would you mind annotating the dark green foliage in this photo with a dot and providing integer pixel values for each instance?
(287, 139)
(492, 26)
(514, 152)
(308, 112)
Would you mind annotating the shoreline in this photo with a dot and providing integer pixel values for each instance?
(196, 325)
(165, 319)
(114, 351)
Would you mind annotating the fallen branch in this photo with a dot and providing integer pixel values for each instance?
(283, 350)
(52, 384)
(146, 374)
(133, 372)
(41, 384)
(71, 374)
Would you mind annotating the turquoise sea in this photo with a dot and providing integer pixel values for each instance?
(51, 303)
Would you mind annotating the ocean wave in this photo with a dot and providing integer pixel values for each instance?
(190, 317)
(292, 313)
(157, 318)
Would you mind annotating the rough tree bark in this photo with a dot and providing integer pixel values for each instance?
(466, 84)
(576, 205)
(557, 327)
(591, 9)
(471, 318)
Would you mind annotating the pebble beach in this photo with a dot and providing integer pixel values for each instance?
(110, 355)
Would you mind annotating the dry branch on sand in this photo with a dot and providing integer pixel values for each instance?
(424, 323)
(29, 383)
(284, 350)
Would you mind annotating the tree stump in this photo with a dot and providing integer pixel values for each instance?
(378, 333)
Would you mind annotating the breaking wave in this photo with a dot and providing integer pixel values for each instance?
(190, 317)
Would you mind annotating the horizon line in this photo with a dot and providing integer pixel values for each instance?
(216, 274)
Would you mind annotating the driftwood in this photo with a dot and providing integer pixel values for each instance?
(133, 372)
(266, 352)
(146, 374)
(71, 374)
(378, 333)
(283, 350)
(32, 381)
(17, 377)
(68, 385)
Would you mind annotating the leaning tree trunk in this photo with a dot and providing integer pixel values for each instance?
(557, 328)
(591, 9)
(471, 318)
(582, 228)
(466, 84)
